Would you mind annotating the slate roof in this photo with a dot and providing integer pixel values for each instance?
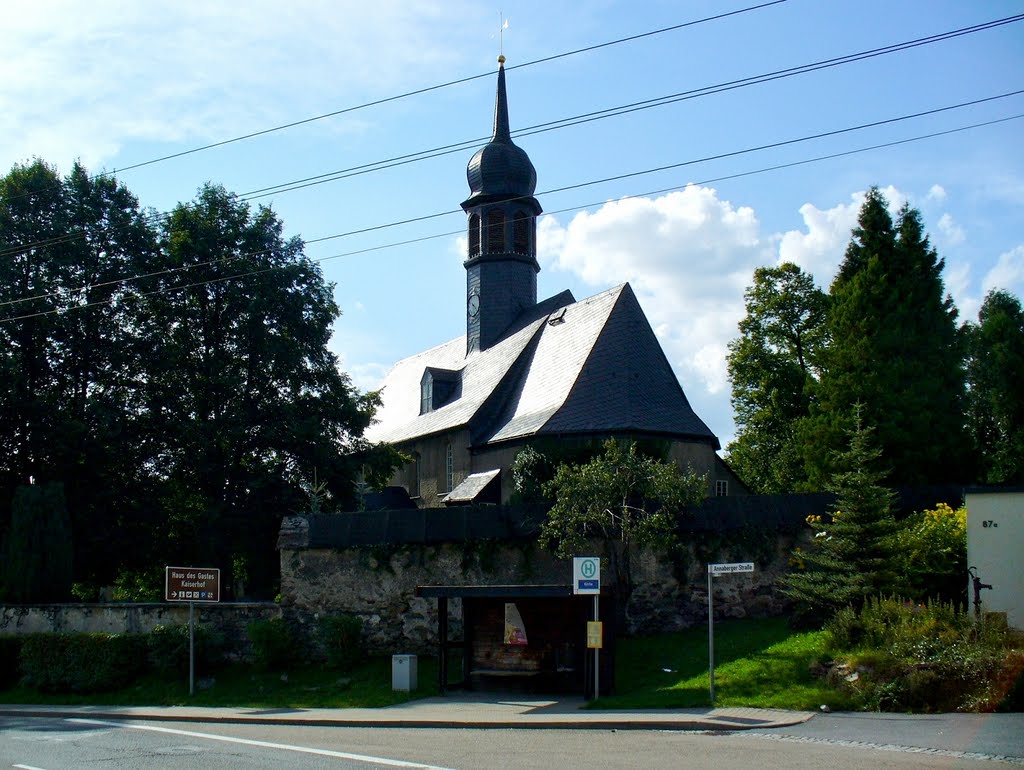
(593, 366)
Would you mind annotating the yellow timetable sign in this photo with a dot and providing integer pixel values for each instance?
(595, 633)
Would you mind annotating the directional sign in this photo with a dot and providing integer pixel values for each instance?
(730, 569)
(192, 584)
(586, 575)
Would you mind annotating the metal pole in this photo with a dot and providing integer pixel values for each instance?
(597, 658)
(191, 649)
(711, 639)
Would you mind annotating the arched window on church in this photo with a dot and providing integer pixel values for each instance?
(449, 469)
(495, 231)
(474, 235)
(414, 475)
(521, 233)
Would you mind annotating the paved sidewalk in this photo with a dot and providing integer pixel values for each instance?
(452, 711)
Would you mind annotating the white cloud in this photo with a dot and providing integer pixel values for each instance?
(688, 255)
(819, 248)
(82, 79)
(951, 233)
(1008, 273)
(936, 193)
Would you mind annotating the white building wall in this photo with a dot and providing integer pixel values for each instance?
(995, 547)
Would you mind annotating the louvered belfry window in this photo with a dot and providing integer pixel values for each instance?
(474, 235)
(521, 233)
(495, 231)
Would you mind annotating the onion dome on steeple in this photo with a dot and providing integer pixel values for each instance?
(500, 170)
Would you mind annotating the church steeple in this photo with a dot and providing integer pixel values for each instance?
(501, 264)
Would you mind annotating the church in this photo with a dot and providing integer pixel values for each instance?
(530, 372)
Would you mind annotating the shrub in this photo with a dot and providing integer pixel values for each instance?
(898, 656)
(273, 643)
(168, 648)
(932, 547)
(81, 663)
(341, 637)
(10, 647)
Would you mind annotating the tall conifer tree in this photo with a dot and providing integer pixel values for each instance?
(894, 348)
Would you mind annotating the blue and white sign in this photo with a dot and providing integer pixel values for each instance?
(586, 575)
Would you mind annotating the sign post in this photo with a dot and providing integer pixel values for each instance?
(191, 584)
(586, 579)
(714, 570)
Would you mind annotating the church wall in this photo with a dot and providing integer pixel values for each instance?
(378, 584)
(432, 457)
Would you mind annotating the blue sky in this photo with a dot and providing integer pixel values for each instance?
(119, 83)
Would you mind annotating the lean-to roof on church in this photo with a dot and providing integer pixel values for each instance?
(593, 366)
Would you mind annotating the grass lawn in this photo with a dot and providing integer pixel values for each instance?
(758, 663)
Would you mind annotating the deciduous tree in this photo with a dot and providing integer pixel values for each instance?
(995, 369)
(772, 365)
(622, 499)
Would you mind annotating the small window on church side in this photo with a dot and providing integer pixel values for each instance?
(521, 233)
(721, 489)
(426, 395)
(495, 232)
(474, 235)
(449, 469)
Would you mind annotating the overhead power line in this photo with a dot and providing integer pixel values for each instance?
(624, 109)
(552, 191)
(448, 84)
(448, 149)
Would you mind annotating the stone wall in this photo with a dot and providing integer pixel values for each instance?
(378, 584)
(231, 619)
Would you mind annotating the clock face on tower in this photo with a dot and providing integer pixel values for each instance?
(474, 304)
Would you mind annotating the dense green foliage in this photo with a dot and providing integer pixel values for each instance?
(931, 548)
(81, 663)
(885, 337)
(37, 561)
(894, 349)
(852, 555)
(172, 373)
(274, 644)
(892, 655)
(995, 369)
(169, 648)
(10, 652)
(341, 637)
(772, 367)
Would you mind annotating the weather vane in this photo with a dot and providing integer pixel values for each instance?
(502, 26)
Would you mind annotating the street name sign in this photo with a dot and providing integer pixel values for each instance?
(192, 584)
(730, 569)
(586, 575)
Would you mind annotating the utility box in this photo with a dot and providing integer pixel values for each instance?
(995, 543)
(403, 673)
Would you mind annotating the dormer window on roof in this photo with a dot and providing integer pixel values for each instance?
(438, 387)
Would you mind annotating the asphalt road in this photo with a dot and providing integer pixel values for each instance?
(836, 741)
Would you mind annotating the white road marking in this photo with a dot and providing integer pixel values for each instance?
(26, 767)
(265, 744)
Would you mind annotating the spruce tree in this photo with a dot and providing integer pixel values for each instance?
(852, 554)
(894, 348)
